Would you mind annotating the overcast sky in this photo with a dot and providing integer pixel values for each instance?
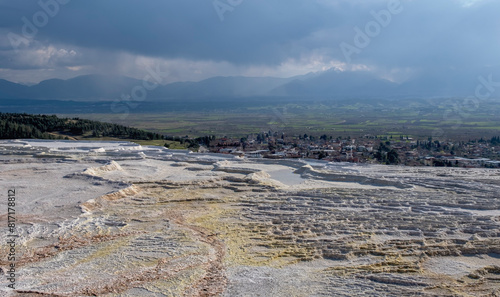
(196, 39)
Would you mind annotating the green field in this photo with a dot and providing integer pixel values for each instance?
(439, 118)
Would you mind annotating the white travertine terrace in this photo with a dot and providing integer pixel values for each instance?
(120, 219)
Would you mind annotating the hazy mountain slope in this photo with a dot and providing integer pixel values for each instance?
(12, 90)
(337, 83)
(98, 87)
(87, 87)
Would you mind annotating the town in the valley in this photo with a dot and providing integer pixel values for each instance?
(401, 150)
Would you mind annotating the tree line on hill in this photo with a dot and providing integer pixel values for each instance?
(21, 125)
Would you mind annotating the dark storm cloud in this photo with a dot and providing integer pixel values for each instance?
(426, 35)
(256, 31)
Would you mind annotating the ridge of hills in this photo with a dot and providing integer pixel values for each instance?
(328, 84)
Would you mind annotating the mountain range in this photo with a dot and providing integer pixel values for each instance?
(326, 84)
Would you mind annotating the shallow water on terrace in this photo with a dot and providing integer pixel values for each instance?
(286, 176)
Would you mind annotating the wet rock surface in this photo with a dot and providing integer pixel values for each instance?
(127, 220)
